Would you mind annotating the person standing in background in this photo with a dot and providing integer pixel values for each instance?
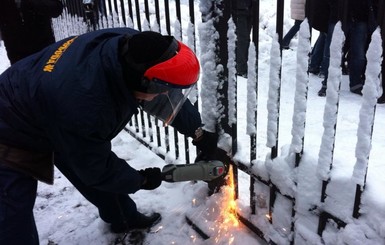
(26, 27)
(316, 55)
(242, 13)
(318, 13)
(297, 8)
(356, 22)
(332, 14)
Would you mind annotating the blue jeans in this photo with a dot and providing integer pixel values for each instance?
(358, 36)
(326, 54)
(317, 52)
(17, 198)
(291, 33)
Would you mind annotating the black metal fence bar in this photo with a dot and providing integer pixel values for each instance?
(274, 149)
(123, 12)
(130, 11)
(167, 16)
(253, 137)
(138, 19)
(147, 10)
(157, 12)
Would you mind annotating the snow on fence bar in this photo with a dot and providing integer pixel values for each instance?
(288, 187)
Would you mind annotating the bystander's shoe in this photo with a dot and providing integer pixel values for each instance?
(357, 91)
(314, 70)
(345, 70)
(381, 100)
(141, 222)
(322, 92)
(321, 74)
(242, 74)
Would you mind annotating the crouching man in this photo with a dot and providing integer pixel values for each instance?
(63, 105)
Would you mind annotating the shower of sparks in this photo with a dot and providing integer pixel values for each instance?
(220, 214)
(229, 207)
(228, 218)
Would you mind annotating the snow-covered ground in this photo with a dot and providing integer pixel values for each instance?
(64, 217)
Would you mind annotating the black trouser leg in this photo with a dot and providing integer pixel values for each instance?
(17, 198)
(113, 207)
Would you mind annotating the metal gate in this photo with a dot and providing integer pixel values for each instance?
(166, 17)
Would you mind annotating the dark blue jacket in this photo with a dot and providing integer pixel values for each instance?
(71, 99)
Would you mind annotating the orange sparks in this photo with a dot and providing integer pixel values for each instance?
(229, 205)
(228, 212)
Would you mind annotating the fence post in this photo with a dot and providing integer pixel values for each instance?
(253, 136)
(274, 149)
(222, 54)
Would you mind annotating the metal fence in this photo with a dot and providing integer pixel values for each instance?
(166, 17)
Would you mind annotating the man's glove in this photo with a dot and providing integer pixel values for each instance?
(152, 178)
(220, 155)
(205, 141)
